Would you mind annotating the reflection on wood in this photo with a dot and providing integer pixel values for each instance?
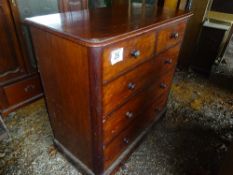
(171, 4)
(72, 5)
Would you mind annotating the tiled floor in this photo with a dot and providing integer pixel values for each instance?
(192, 139)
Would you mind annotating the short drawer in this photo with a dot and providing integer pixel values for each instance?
(121, 118)
(125, 138)
(156, 108)
(124, 55)
(22, 90)
(170, 36)
(116, 92)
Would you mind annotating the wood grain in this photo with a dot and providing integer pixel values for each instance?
(64, 70)
(144, 44)
(118, 91)
(88, 97)
(15, 70)
(121, 118)
(22, 90)
(128, 136)
(104, 26)
(11, 60)
(167, 38)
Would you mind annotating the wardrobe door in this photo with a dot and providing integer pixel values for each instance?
(11, 61)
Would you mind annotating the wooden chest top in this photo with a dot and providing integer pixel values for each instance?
(98, 27)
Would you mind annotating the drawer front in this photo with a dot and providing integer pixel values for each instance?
(170, 36)
(118, 145)
(156, 108)
(125, 138)
(119, 90)
(23, 90)
(121, 118)
(128, 53)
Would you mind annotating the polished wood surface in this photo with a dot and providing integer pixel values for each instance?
(15, 70)
(66, 86)
(19, 26)
(170, 36)
(157, 107)
(96, 27)
(22, 90)
(144, 45)
(121, 118)
(127, 136)
(98, 109)
(11, 61)
(120, 89)
(119, 144)
(18, 93)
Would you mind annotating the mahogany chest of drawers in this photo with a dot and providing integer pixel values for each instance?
(106, 76)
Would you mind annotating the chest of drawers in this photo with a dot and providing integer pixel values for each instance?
(106, 76)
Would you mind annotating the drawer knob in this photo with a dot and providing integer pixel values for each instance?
(168, 61)
(135, 53)
(129, 115)
(29, 88)
(131, 86)
(126, 140)
(175, 35)
(163, 85)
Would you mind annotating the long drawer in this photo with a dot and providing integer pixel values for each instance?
(124, 55)
(118, 120)
(125, 138)
(22, 90)
(116, 92)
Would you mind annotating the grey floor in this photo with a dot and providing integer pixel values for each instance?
(191, 139)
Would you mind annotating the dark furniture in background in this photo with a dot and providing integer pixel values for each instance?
(225, 6)
(198, 7)
(111, 75)
(207, 49)
(214, 37)
(19, 81)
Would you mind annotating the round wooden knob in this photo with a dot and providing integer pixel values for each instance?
(131, 86)
(175, 35)
(126, 140)
(163, 85)
(135, 53)
(29, 88)
(129, 114)
(168, 61)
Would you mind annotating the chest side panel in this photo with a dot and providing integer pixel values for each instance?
(63, 66)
